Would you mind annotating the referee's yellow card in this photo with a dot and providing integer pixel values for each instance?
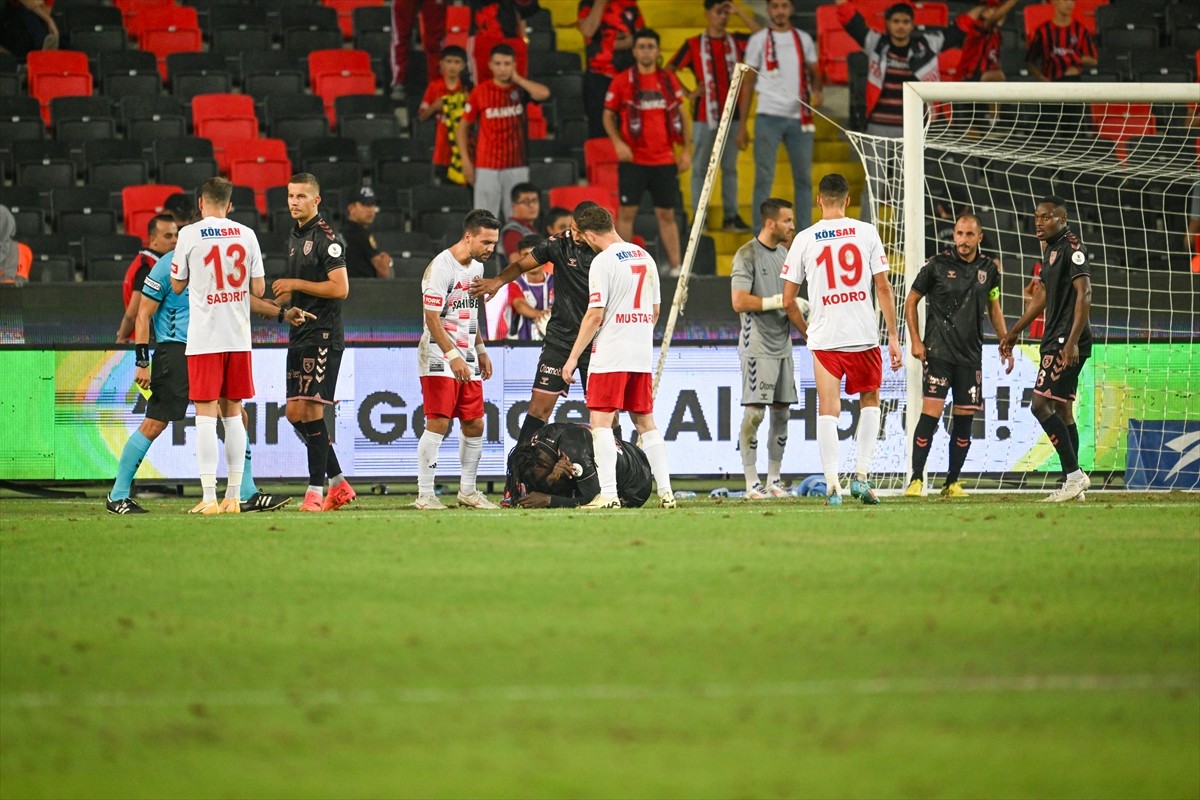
(145, 392)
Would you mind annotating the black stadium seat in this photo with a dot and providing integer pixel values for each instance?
(151, 118)
(365, 118)
(187, 161)
(106, 258)
(294, 118)
(191, 74)
(80, 119)
(46, 165)
(30, 209)
(373, 30)
(129, 72)
(115, 163)
(272, 72)
(83, 211)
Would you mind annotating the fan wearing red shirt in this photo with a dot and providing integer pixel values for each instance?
(162, 231)
(607, 27)
(980, 59)
(446, 97)
(645, 120)
(499, 159)
(1061, 47)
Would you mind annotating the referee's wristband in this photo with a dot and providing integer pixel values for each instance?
(142, 355)
(772, 303)
(453, 354)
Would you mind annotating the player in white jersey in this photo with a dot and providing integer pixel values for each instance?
(218, 263)
(623, 300)
(840, 258)
(452, 360)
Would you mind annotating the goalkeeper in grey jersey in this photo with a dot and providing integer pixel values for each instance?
(764, 345)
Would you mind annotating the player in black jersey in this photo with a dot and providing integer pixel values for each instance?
(961, 286)
(558, 466)
(317, 283)
(1066, 338)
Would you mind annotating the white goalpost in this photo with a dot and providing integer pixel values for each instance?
(1124, 156)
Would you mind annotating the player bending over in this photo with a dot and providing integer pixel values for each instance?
(559, 467)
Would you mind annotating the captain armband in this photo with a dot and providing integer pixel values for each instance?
(994, 294)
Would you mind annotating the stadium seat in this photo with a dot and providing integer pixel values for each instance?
(10, 78)
(834, 44)
(166, 29)
(115, 163)
(570, 196)
(129, 72)
(546, 173)
(57, 73)
(83, 211)
(333, 73)
(184, 161)
(405, 244)
(30, 210)
(271, 72)
(1113, 15)
(191, 74)
(140, 203)
(600, 157)
(259, 164)
(458, 26)
(365, 118)
(294, 118)
(93, 29)
(44, 164)
(106, 258)
(235, 29)
(345, 10)
(89, 16)
(131, 10)
(154, 117)
(78, 119)
(545, 64)
(48, 245)
(308, 28)
(446, 198)
(1129, 39)
(222, 118)
(1120, 122)
(373, 30)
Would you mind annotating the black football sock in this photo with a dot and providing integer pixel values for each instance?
(960, 444)
(1073, 430)
(332, 466)
(529, 427)
(922, 437)
(1060, 437)
(316, 440)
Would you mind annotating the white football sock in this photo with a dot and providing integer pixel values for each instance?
(827, 446)
(235, 455)
(778, 431)
(427, 453)
(604, 447)
(207, 452)
(470, 449)
(752, 417)
(656, 453)
(868, 435)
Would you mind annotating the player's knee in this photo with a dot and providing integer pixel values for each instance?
(751, 419)
(1042, 408)
(472, 427)
(152, 428)
(779, 421)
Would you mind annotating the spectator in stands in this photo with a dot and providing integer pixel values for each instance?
(530, 297)
(404, 15)
(501, 160)
(980, 60)
(9, 258)
(712, 57)
(526, 206)
(163, 231)
(898, 56)
(496, 22)
(1061, 47)
(181, 206)
(557, 220)
(645, 120)
(364, 259)
(607, 27)
(788, 88)
(26, 25)
(446, 96)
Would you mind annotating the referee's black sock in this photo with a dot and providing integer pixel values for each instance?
(922, 437)
(316, 441)
(1060, 437)
(960, 444)
(529, 427)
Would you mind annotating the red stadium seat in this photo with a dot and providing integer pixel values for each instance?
(57, 73)
(345, 10)
(458, 26)
(600, 161)
(260, 164)
(570, 196)
(167, 29)
(132, 10)
(140, 203)
(223, 118)
(333, 62)
(834, 44)
(1123, 121)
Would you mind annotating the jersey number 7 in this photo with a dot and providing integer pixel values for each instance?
(640, 271)
(235, 256)
(848, 258)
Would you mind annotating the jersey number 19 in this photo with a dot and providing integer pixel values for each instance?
(848, 258)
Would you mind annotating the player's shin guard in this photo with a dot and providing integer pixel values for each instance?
(131, 458)
(427, 453)
(1060, 437)
(207, 452)
(529, 426)
(752, 417)
(656, 453)
(604, 447)
(868, 435)
(960, 445)
(470, 449)
(778, 431)
(922, 438)
(827, 446)
(235, 455)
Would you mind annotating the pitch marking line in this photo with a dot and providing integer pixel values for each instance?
(994, 685)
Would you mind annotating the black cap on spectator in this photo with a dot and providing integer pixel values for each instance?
(365, 195)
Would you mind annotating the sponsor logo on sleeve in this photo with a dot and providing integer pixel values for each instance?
(335, 250)
(594, 297)
(1078, 258)
(433, 300)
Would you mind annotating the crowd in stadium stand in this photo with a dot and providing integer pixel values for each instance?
(107, 110)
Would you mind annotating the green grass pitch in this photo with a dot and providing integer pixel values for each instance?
(992, 647)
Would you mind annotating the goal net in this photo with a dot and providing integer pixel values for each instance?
(1124, 156)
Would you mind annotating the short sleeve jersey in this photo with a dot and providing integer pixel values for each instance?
(503, 127)
(631, 96)
(957, 295)
(436, 89)
(171, 318)
(1065, 259)
(137, 271)
(838, 258)
(572, 268)
(709, 60)
(756, 268)
(314, 251)
(218, 258)
(445, 288)
(619, 16)
(781, 76)
(624, 282)
(1059, 48)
